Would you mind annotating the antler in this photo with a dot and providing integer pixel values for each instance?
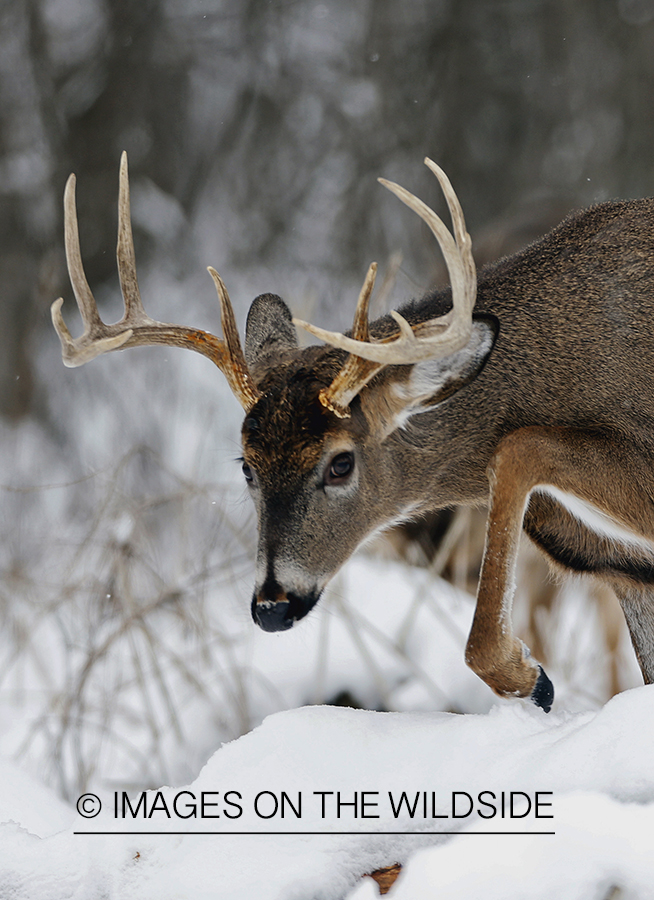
(441, 336)
(356, 371)
(136, 328)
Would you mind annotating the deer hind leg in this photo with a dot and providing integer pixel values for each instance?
(626, 565)
(604, 473)
(638, 607)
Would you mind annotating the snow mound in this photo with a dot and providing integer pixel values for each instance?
(359, 790)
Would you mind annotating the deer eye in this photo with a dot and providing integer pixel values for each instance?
(248, 473)
(340, 468)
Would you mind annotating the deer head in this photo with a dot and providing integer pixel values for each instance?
(323, 455)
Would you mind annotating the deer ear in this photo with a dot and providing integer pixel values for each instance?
(269, 330)
(435, 380)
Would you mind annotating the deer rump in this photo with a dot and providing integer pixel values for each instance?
(527, 388)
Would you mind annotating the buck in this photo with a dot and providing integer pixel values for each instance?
(530, 388)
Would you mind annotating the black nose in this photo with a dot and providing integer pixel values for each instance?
(274, 610)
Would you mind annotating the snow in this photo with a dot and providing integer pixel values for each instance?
(26, 802)
(601, 846)
(367, 637)
(594, 768)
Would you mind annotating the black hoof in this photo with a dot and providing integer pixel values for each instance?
(543, 693)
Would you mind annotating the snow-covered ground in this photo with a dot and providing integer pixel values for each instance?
(582, 787)
(436, 791)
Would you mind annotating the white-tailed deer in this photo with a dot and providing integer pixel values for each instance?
(540, 403)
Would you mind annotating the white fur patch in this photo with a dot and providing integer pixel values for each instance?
(596, 520)
(431, 375)
(294, 578)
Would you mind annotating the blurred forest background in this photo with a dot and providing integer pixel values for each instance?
(255, 131)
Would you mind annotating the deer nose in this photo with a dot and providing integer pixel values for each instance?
(275, 610)
(272, 615)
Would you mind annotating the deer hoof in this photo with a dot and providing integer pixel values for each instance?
(543, 692)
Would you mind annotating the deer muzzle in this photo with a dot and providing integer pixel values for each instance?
(273, 609)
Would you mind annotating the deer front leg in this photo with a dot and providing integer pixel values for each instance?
(606, 471)
(493, 652)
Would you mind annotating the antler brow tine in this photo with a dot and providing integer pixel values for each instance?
(356, 371)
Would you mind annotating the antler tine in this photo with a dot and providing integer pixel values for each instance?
(236, 371)
(125, 257)
(90, 344)
(360, 332)
(461, 236)
(80, 285)
(360, 327)
(356, 371)
(136, 328)
(456, 250)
